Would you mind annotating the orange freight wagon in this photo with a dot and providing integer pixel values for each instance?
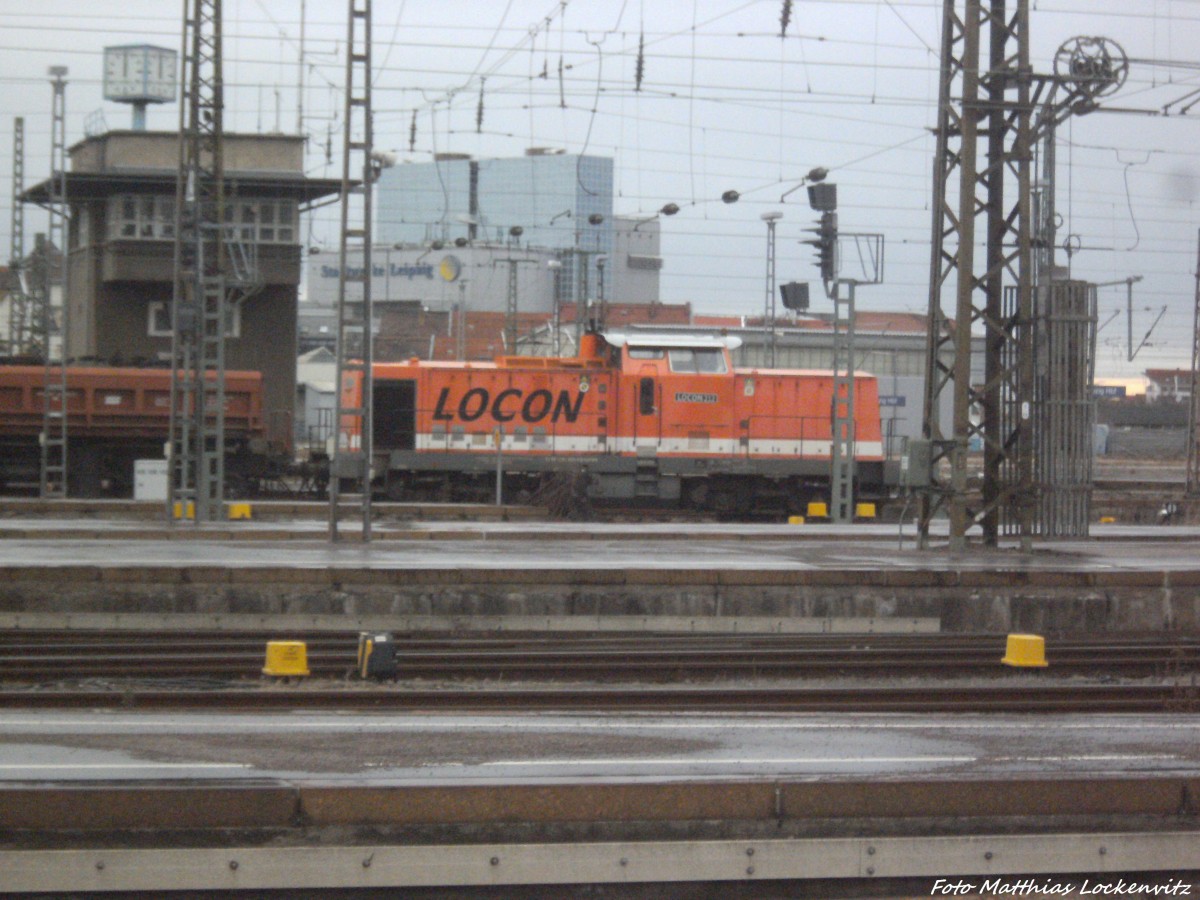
(115, 415)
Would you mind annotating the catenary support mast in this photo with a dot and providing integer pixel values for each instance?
(350, 459)
(54, 388)
(196, 450)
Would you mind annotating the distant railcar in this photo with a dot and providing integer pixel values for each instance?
(115, 415)
(649, 419)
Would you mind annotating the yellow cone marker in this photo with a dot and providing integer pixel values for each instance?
(1025, 651)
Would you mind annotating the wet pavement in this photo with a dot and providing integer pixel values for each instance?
(453, 749)
(600, 547)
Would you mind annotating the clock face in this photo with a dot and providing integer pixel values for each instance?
(160, 74)
(116, 73)
(139, 74)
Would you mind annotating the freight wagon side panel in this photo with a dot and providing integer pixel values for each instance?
(119, 403)
(115, 416)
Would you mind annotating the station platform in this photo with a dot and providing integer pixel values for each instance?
(624, 806)
(542, 575)
(859, 805)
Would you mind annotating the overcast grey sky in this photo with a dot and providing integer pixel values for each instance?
(724, 103)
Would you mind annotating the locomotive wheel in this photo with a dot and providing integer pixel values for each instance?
(697, 493)
(723, 501)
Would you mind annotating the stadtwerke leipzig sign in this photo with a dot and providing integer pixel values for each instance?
(449, 269)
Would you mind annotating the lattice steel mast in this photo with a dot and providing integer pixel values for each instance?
(352, 451)
(511, 331)
(54, 388)
(199, 307)
(842, 419)
(982, 108)
(18, 303)
(995, 103)
(769, 333)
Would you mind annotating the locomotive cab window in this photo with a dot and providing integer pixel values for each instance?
(698, 361)
(646, 353)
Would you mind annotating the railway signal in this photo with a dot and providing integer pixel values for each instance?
(826, 244)
(822, 198)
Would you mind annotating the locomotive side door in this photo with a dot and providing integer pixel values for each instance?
(394, 414)
(647, 421)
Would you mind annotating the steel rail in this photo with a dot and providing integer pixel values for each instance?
(34, 656)
(919, 699)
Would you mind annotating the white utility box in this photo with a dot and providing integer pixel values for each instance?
(150, 479)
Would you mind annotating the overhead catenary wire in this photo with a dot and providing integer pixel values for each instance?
(717, 98)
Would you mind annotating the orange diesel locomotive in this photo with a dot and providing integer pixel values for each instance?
(655, 419)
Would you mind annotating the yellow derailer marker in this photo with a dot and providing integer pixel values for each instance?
(286, 659)
(818, 510)
(1025, 651)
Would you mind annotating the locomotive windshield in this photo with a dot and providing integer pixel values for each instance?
(698, 360)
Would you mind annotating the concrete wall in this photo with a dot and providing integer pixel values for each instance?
(994, 602)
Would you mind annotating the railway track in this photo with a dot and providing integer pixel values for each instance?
(98, 655)
(33, 656)
(1117, 488)
(998, 698)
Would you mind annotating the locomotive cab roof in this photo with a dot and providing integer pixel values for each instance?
(650, 339)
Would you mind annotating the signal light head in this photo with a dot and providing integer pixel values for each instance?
(825, 241)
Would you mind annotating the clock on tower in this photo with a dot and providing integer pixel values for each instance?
(139, 74)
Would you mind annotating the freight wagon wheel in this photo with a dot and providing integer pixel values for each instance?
(84, 474)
